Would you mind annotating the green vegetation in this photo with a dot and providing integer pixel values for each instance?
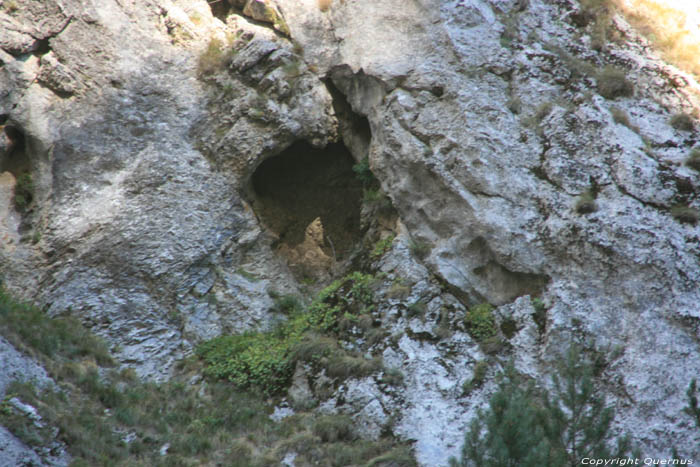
(382, 246)
(525, 426)
(371, 192)
(264, 361)
(585, 203)
(693, 409)
(419, 248)
(685, 214)
(31, 330)
(110, 418)
(612, 83)
(540, 314)
(682, 122)
(480, 322)
(693, 160)
(217, 55)
(478, 377)
(24, 192)
(249, 276)
(287, 304)
(417, 308)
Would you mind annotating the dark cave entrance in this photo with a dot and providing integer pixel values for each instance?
(304, 183)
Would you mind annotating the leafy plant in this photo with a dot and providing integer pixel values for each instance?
(264, 361)
(480, 322)
(382, 246)
(94, 408)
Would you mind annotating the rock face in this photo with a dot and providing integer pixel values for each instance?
(480, 119)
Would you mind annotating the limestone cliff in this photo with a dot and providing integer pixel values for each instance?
(141, 126)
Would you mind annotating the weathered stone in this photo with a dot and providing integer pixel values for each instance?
(148, 236)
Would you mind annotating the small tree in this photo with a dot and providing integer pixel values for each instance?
(576, 421)
(525, 427)
(513, 436)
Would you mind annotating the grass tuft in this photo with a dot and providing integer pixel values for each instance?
(693, 160)
(613, 83)
(682, 122)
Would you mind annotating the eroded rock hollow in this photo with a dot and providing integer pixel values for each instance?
(310, 199)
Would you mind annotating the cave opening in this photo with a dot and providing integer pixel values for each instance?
(15, 161)
(310, 198)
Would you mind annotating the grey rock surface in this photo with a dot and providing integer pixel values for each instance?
(143, 217)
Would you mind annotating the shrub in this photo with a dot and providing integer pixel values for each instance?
(585, 203)
(685, 214)
(288, 304)
(264, 361)
(682, 122)
(612, 83)
(260, 361)
(693, 160)
(540, 314)
(480, 322)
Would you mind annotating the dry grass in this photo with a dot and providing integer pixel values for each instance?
(668, 29)
(324, 5)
